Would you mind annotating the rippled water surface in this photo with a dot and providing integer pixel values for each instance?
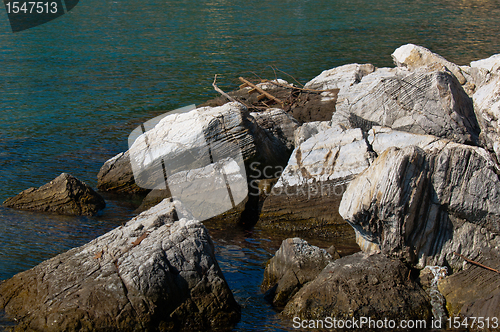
(72, 89)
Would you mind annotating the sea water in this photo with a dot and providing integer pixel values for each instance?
(71, 91)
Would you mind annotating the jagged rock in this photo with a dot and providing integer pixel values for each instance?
(419, 102)
(476, 77)
(295, 263)
(361, 285)
(116, 176)
(64, 195)
(215, 132)
(280, 125)
(474, 291)
(491, 64)
(152, 274)
(421, 206)
(412, 57)
(307, 194)
(487, 107)
(309, 129)
(383, 138)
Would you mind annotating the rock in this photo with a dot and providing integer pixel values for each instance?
(64, 195)
(154, 197)
(383, 138)
(295, 263)
(340, 77)
(476, 77)
(307, 194)
(309, 129)
(116, 176)
(280, 126)
(412, 57)
(152, 274)
(361, 285)
(215, 132)
(491, 64)
(474, 291)
(421, 206)
(418, 102)
(487, 107)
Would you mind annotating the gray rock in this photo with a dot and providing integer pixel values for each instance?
(361, 285)
(308, 192)
(279, 125)
(487, 108)
(63, 195)
(152, 274)
(419, 102)
(295, 263)
(421, 206)
(412, 57)
(309, 129)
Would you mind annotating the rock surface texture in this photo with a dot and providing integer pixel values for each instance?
(361, 285)
(152, 274)
(116, 176)
(421, 206)
(419, 102)
(294, 264)
(63, 195)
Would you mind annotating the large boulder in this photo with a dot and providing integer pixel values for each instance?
(295, 263)
(214, 133)
(420, 102)
(423, 205)
(306, 196)
(154, 273)
(63, 195)
(361, 285)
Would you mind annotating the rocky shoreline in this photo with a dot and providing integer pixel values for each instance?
(404, 161)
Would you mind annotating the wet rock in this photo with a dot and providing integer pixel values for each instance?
(421, 206)
(419, 102)
(361, 285)
(307, 194)
(412, 57)
(152, 274)
(295, 263)
(63, 195)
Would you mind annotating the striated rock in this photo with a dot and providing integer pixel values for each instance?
(64, 195)
(383, 138)
(361, 285)
(295, 263)
(116, 176)
(307, 194)
(280, 126)
(419, 102)
(487, 107)
(152, 274)
(412, 57)
(474, 291)
(309, 129)
(421, 206)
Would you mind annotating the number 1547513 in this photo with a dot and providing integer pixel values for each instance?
(31, 7)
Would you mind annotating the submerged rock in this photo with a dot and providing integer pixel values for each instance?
(361, 285)
(295, 263)
(421, 206)
(152, 274)
(64, 195)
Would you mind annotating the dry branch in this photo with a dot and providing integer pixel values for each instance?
(476, 263)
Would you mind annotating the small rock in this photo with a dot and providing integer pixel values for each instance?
(295, 263)
(63, 195)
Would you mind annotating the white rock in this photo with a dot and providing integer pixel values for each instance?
(491, 64)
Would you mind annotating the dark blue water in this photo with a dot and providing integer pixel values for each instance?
(71, 90)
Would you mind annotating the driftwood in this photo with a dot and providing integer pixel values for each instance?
(476, 263)
(222, 92)
(263, 94)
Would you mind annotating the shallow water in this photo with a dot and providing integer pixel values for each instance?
(71, 91)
